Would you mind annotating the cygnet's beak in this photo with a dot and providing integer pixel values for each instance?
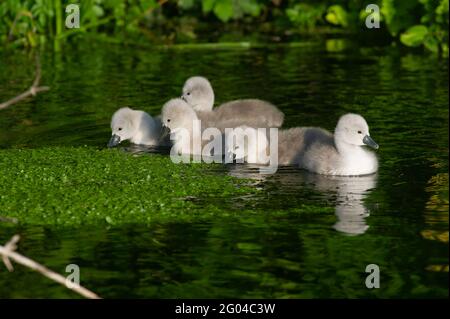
(114, 141)
(164, 132)
(370, 142)
(183, 98)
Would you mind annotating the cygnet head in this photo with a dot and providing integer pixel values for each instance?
(353, 129)
(198, 93)
(123, 126)
(176, 113)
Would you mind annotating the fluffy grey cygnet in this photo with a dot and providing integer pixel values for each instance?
(198, 93)
(319, 151)
(137, 126)
(179, 117)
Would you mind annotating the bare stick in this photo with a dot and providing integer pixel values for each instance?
(8, 252)
(33, 90)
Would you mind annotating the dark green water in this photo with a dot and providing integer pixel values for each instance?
(397, 219)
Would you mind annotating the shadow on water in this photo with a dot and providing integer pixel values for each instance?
(143, 149)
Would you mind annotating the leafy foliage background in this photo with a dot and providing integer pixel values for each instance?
(415, 23)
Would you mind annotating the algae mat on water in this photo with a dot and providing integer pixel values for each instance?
(74, 186)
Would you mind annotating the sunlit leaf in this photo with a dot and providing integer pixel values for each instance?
(207, 5)
(337, 15)
(224, 10)
(431, 43)
(414, 36)
(98, 10)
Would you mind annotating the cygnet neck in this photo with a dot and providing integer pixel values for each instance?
(204, 106)
(144, 128)
(344, 148)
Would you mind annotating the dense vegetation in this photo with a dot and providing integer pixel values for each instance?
(73, 186)
(30, 22)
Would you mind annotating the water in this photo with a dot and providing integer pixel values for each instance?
(397, 219)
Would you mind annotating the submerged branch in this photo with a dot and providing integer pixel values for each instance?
(33, 90)
(8, 252)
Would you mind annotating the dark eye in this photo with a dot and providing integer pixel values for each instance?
(188, 93)
(168, 120)
(120, 129)
(359, 132)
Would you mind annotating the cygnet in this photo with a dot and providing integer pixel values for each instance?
(319, 151)
(137, 126)
(180, 119)
(198, 93)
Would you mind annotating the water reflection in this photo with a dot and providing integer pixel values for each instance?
(250, 171)
(351, 210)
(347, 193)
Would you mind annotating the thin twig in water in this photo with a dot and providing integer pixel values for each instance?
(33, 90)
(8, 252)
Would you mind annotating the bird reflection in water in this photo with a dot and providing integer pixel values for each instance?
(347, 192)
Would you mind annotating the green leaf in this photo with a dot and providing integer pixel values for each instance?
(414, 36)
(444, 48)
(431, 43)
(98, 11)
(224, 10)
(337, 15)
(251, 7)
(442, 9)
(399, 14)
(207, 5)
